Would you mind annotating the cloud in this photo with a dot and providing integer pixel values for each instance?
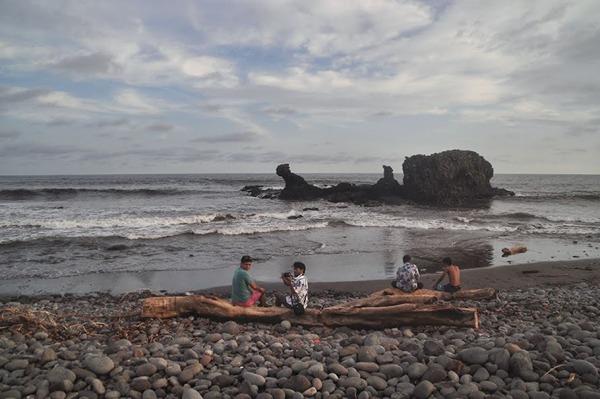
(160, 127)
(39, 150)
(87, 64)
(279, 111)
(366, 75)
(238, 137)
(131, 101)
(13, 95)
(316, 27)
(298, 79)
(109, 123)
(9, 134)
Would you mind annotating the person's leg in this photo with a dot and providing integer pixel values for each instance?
(394, 284)
(279, 299)
(451, 288)
(262, 299)
(419, 285)
(255, 297)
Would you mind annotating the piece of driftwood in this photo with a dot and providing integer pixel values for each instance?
(519, 249)
(368, 317)
(406, 314)
(395, 296)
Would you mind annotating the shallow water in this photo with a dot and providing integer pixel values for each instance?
(71, 227)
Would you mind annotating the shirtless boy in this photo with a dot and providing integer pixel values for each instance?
(453, 273)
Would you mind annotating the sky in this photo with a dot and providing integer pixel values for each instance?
(93, 87)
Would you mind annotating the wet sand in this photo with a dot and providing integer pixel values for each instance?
(519, 276)
(173, 282)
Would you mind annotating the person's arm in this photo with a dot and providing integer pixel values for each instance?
(255, 287)
(439, 280)
(253, 284)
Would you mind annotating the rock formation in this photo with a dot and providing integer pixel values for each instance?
(449, 178)
(296, 188)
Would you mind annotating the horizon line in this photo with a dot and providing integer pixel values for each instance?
(265, 173)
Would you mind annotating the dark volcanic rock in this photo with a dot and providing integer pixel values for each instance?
(453, 177)
(450, 178)
(296, 188)
(387, 186)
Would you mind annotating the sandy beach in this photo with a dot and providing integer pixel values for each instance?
(538, 339)
(518, 276)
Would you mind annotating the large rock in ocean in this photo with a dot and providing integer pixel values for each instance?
(296, 188)
(451, 178)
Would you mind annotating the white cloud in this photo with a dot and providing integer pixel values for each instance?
(321, 28)
(132, 102)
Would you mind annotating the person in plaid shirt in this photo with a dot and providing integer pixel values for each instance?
(407, 276)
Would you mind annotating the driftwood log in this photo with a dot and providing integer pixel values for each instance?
(395, 296)
(407, 314)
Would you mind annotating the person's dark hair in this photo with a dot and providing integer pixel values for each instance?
(300, 266)
(447, 261)
(246, 258)
(406, 258)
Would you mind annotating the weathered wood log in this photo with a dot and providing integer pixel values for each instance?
(395, 296)
(407, 314)
(360, 317)
(220, 309)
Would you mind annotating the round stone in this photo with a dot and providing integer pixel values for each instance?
(416, 370)
(231, 327)
(254, 379)
(189, 393)
(99, 364)
(474, 355)
(423, 390)
(377, 382)
(146, 369)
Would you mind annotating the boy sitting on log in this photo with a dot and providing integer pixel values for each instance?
(244, 291)
(453, 273)
(297, 299)
(407, 276)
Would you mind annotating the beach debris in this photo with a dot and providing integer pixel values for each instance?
(530, 271)
(519, 249)
(24, 319)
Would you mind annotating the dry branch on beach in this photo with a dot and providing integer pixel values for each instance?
(24, 319)
(335, 316)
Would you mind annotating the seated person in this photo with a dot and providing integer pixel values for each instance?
(453, 273)
(407, 276)
(244, 291)
(298, 284)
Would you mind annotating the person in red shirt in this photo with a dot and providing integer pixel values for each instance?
(453, 272)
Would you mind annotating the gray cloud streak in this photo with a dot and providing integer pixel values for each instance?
(239, 137)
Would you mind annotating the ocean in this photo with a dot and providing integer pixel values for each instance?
(182, 232)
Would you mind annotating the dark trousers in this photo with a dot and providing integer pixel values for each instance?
(419, 284)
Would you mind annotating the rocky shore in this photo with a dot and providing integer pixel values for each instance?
(534, 343)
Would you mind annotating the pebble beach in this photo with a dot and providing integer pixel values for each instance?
(536, 342)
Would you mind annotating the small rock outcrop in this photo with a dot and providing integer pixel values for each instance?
(296, 188)
(387, 186)
(448, 178)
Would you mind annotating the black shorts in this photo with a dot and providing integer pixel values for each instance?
(451, 288)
